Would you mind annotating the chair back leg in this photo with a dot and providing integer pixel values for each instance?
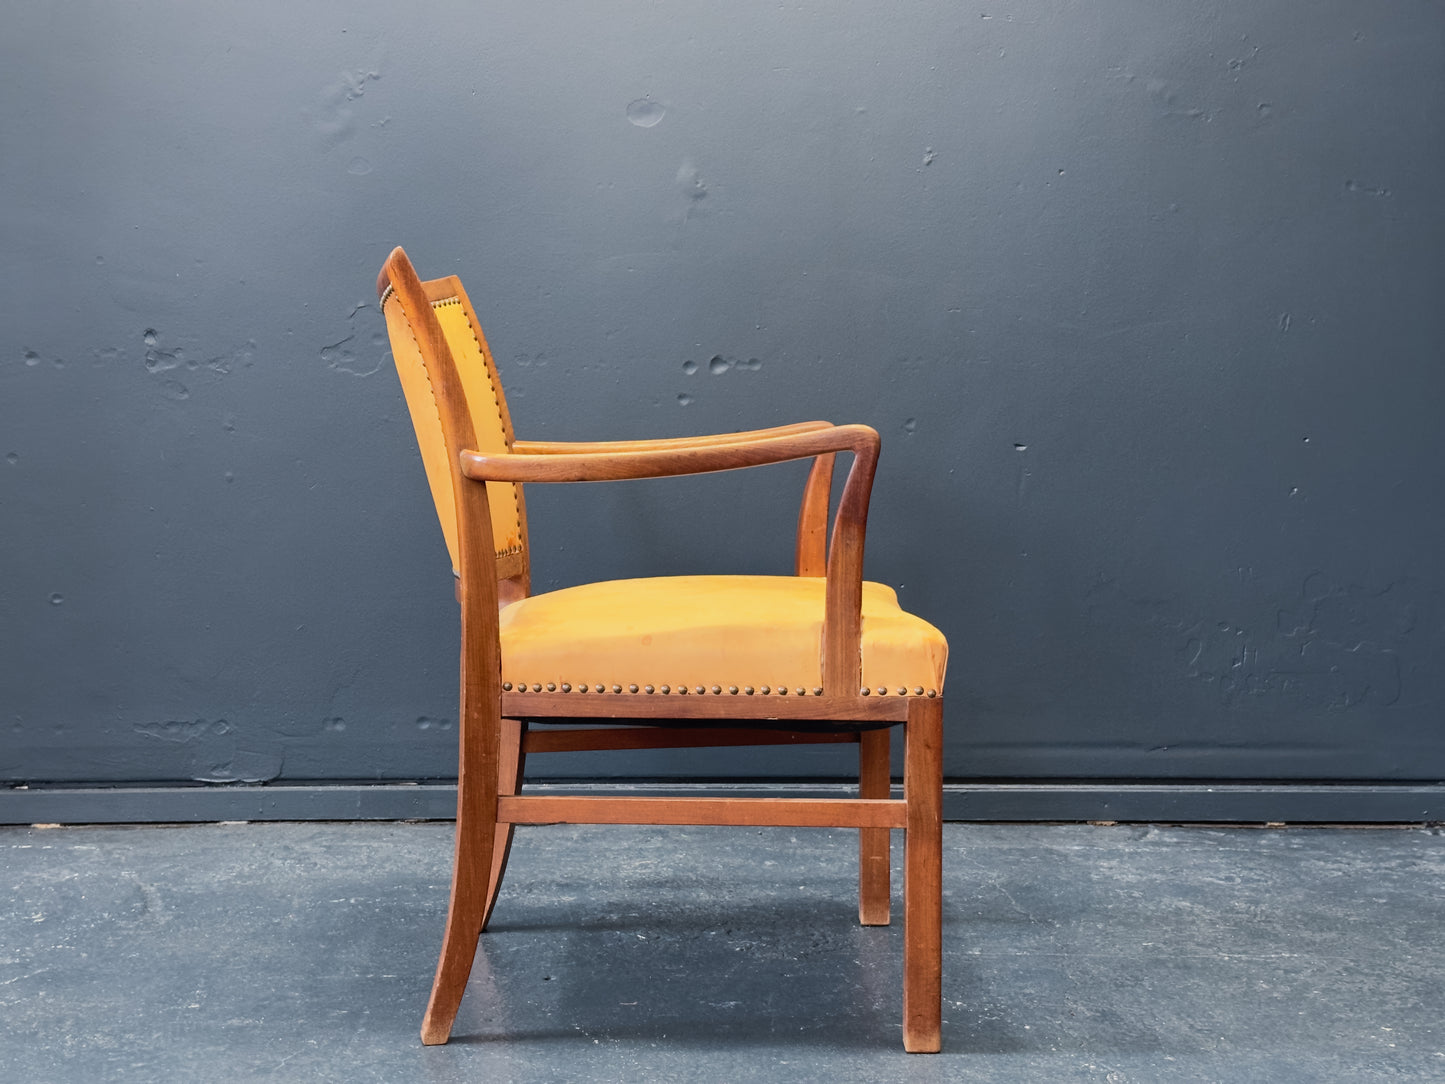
(471, 877)
(509, 781)
(873, 843)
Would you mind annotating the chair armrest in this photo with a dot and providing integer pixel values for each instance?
(550, 447)
(667, 461)
(842, 618)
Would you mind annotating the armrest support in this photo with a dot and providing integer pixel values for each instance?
(811, 549)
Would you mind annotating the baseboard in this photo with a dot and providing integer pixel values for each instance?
(1314, 803)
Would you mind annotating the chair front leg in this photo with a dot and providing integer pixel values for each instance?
(509, 781)
(873, 843)
(923, 878)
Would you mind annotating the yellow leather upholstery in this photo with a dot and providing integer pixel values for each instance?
(707, 631)
(468, 350)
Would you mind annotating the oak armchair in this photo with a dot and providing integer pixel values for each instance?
(691, 661)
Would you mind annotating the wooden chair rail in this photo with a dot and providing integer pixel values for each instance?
(662, 737)
(747, 812)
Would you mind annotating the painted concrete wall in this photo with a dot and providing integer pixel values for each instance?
(1144, 298)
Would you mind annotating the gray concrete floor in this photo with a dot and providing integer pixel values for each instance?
(304, 952)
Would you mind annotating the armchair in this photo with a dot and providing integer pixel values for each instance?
(673, 662)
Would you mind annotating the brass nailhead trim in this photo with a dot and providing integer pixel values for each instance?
(716, 690)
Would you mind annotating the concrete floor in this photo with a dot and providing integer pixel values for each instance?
(304, 952)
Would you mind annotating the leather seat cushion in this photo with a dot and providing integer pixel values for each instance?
(709, 630)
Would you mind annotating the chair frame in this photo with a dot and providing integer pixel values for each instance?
(495, 738)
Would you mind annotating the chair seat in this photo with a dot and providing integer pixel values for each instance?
(726, 631)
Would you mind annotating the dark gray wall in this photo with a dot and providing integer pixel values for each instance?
(1144, 298)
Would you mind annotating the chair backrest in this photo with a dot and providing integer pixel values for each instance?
(442, 357)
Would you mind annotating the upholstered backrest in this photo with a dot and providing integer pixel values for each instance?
(465, 353)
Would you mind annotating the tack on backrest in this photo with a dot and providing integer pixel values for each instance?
(485, 402)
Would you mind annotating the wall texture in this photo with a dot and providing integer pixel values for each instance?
(1144, 298)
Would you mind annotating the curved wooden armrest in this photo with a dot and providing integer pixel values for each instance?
(666, 461)
(551, 447)
(842, 619)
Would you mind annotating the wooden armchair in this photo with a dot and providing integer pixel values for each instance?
(692, 661)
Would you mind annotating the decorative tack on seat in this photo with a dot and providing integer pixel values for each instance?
(703, 690)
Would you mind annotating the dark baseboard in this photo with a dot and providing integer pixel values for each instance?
(1314, 803)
